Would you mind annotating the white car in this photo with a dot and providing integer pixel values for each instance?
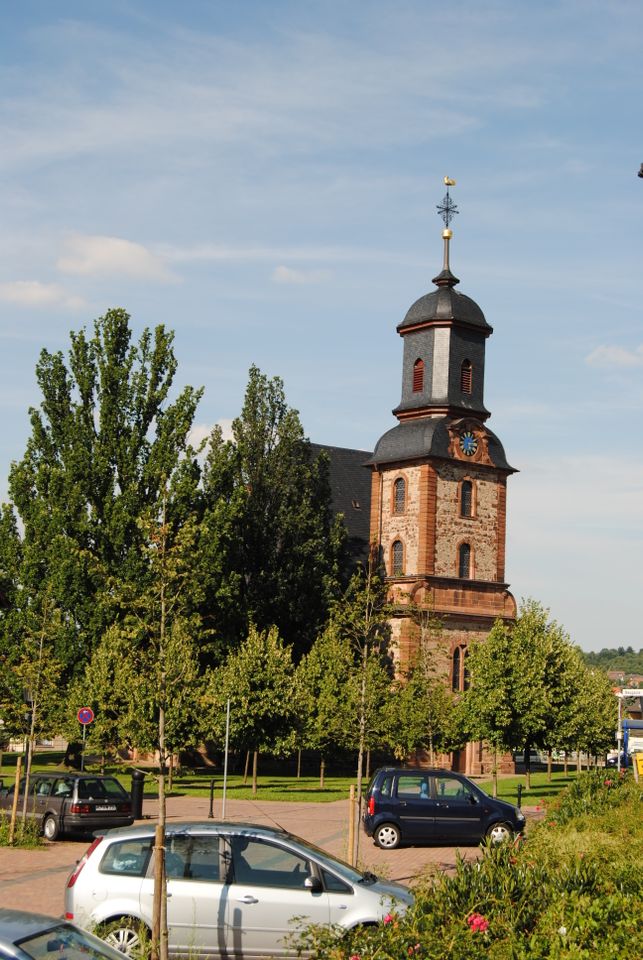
(232, 890)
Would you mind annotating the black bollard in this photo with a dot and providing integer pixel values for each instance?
(211, 813)
(519, 795)
(138, 778)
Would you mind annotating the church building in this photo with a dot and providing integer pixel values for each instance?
(438, 498)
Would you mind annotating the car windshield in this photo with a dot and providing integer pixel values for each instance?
(66, 943)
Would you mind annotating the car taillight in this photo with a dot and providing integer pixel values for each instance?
(125, 807)
(81, 863)
(371, 806)
(80, 808)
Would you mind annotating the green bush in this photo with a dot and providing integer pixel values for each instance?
(572, 890)
(26, 834)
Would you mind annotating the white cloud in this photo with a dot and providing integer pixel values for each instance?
(289, 276)
(202, 431)
(605, 356)
(33, 293)
(99, 256)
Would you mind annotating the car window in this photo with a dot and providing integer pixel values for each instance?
(129, 857)
(412, 785)
(264, 864)
(452, 788)
(334, 885)
(386, 788)
(65, 943)
(91, 788)
(42, 788)
(189, 857)
(63, 787)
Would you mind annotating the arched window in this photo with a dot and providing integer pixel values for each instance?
(466, 376)
(466, 498)
(459, 672)
(464, 561)
(397, 558)
(418, 376)
(399, 495)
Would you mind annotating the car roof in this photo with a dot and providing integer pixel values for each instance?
(198, 826)
(423, 770)
(71, 774)
(15, 924)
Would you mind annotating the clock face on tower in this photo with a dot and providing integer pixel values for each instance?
(468, 443)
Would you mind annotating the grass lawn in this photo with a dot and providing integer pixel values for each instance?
(197, 783)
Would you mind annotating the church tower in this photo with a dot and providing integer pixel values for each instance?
(438, 501)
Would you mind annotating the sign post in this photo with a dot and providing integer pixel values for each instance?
(85, 716)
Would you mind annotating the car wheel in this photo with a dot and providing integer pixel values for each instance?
(51, 827)
(387, 836)
(499, 833)
(126, 934)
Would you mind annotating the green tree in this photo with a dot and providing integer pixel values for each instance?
(267, 501)
(321, 680)
(513, 678)
(257, 679)
(362, 618)
(102, 443)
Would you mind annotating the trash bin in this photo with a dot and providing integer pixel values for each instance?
(138, 779)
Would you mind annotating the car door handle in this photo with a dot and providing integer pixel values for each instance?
(247, 899)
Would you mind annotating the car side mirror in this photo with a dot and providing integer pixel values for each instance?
(473, 799)
(313, 884)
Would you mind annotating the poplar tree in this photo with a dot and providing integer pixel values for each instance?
(267, 498)
(103, 440)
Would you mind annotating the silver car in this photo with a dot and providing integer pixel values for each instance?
(232, 890)
(33, 936)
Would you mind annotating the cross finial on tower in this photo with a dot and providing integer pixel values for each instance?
(447, 209)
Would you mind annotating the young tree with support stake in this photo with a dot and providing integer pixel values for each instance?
(362, 617)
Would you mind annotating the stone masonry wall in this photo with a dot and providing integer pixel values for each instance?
(480, 530)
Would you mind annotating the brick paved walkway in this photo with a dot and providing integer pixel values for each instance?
(35, 879)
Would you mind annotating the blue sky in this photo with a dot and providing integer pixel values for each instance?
(262, 177)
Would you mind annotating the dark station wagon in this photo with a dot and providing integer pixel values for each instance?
(72, 803)
(416, 805)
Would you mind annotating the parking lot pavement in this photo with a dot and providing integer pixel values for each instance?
(35, 879)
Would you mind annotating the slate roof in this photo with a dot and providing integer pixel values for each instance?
(428, 437)
(445, 304)
(350, 484)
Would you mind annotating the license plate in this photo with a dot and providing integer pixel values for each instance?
(105, 807)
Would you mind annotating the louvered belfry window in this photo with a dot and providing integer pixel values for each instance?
(398, 558)
(464, 561)
(418, 376)
(466, 498)
(399, 495)
(466, 376)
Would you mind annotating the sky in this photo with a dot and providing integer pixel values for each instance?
(262, 178)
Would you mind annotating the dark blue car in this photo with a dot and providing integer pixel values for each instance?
(414, 805)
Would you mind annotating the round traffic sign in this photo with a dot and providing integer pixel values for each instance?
(85, 715)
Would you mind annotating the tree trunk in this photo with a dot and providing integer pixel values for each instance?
(299, 764)
(549, 766)
(368, 764)
(360, 755)
(495, 771)
(245, 769)
(527, 756)
(579, 762)
(255, 759)
(565, 762)
(322, 770)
